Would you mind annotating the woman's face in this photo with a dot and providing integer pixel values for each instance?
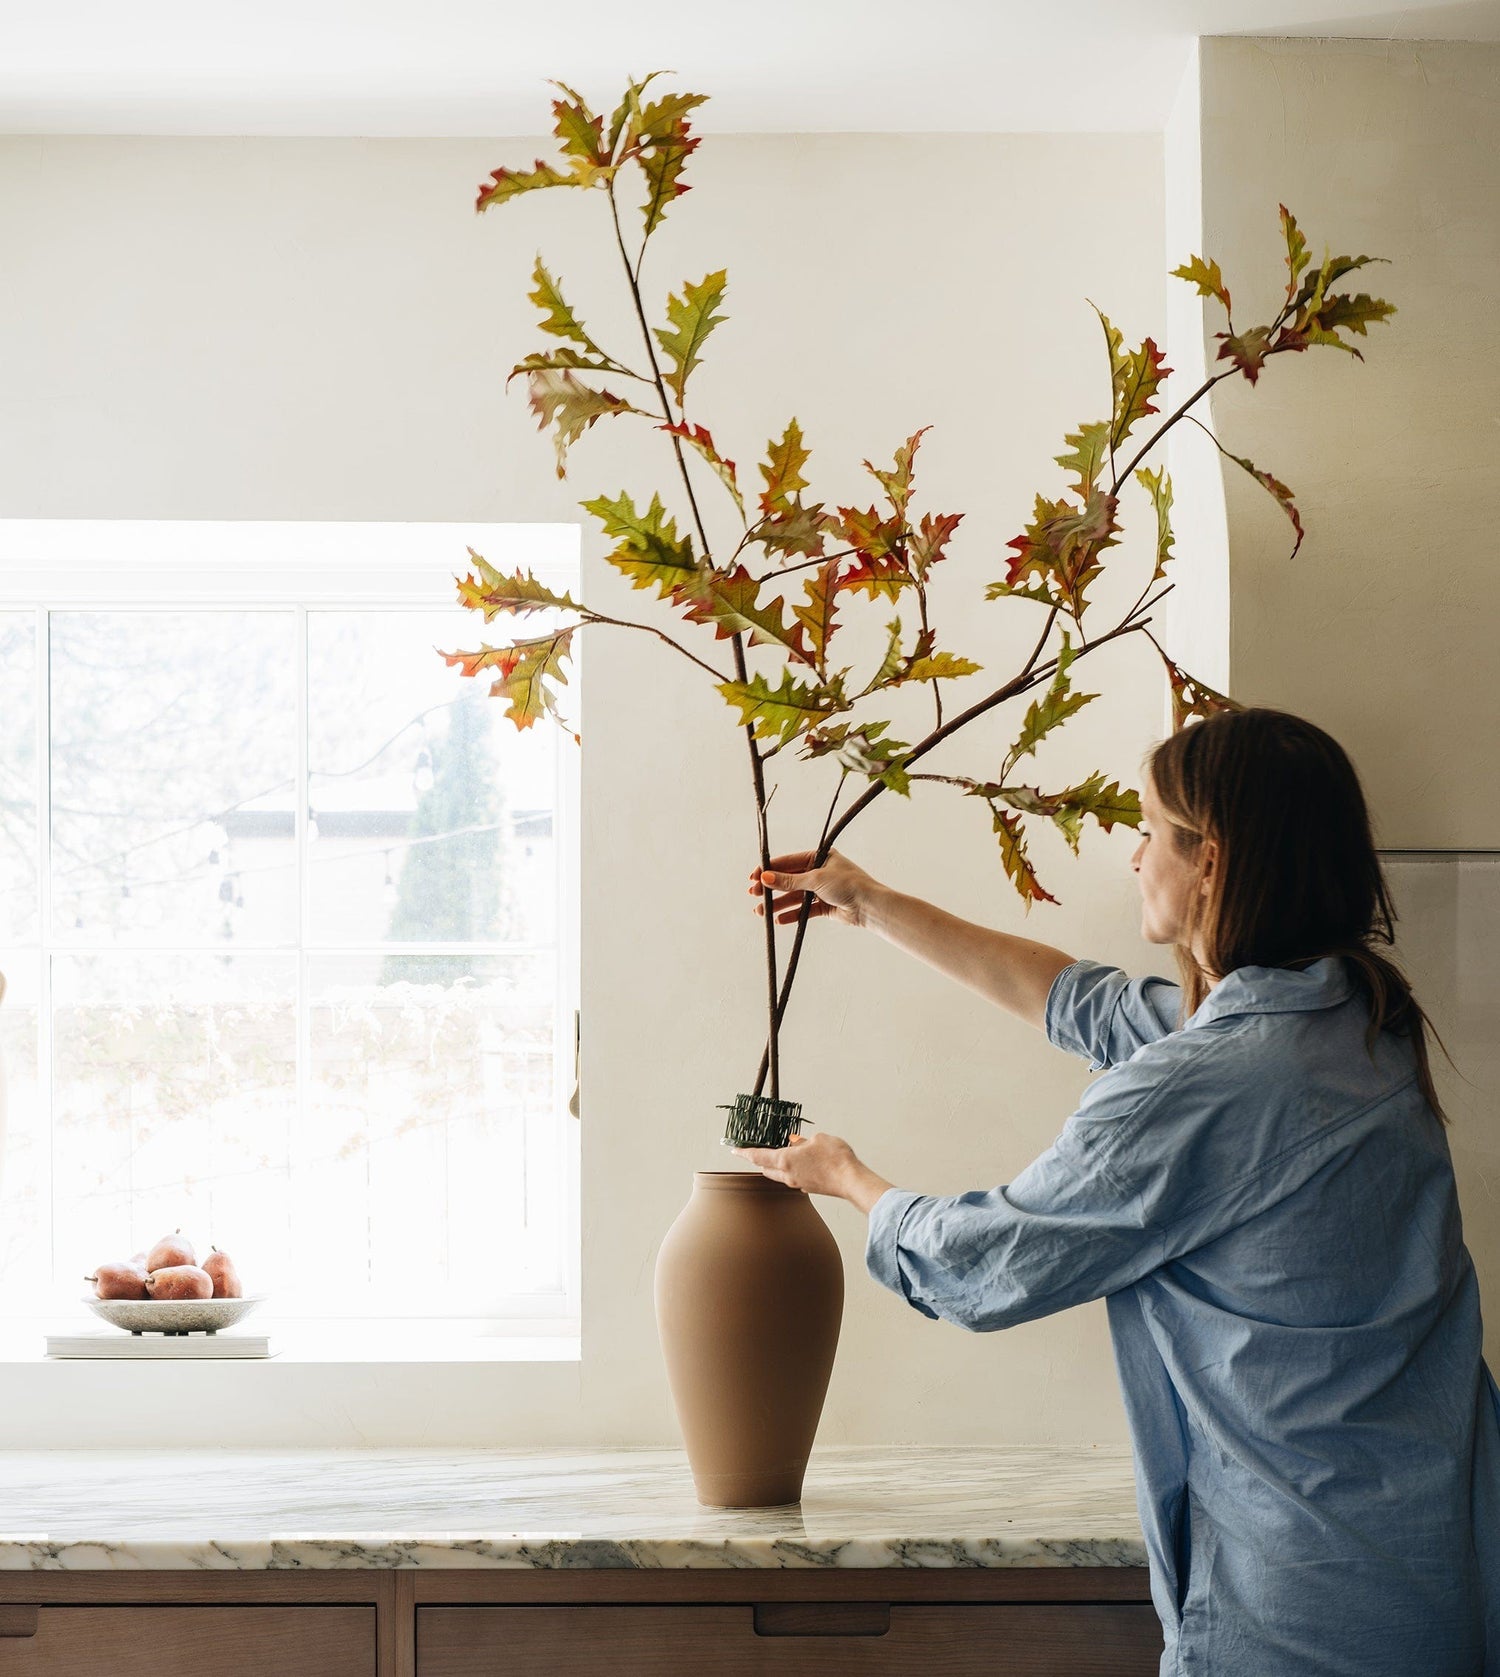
(1166, 875)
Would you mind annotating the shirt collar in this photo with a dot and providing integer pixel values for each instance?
(1323, 983)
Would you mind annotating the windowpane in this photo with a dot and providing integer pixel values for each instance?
(327, 1045)
(174, 757)
(174, 1094)
(427, 1171)
(433, 815)
(18, 787)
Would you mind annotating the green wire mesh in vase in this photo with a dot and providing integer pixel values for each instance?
(759, 1121)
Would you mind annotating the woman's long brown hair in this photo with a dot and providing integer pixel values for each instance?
(1297, 876)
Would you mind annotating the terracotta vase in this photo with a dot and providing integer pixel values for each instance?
(749, 1297)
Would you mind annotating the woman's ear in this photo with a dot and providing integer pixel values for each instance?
(1210, 863)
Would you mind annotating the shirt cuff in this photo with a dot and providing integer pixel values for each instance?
(1058, 1022)
(883, 1242)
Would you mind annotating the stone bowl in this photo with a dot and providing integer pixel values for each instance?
(173, 1315)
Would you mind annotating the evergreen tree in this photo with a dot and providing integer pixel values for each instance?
(449, 889)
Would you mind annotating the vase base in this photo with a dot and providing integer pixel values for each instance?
(749, 1490)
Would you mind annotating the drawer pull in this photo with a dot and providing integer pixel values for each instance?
(822, 1618)
(18, 1621)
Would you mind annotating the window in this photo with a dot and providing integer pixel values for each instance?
(288, 923)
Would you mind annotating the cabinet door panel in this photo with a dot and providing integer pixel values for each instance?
(938, 1641)
(187, 1641)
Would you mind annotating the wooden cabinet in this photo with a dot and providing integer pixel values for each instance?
(586, 1622)
(833, 1639)
(171, 1641)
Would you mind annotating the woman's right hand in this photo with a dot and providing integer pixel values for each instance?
(840, 888)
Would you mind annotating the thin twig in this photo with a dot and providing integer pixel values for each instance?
(757, 768)
(625, 623)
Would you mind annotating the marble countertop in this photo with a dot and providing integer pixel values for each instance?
(92, 1510)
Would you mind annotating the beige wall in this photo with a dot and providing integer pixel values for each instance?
(297, 329)
(1383, 628)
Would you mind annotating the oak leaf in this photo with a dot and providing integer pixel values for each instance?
(728, 602)
(582, 136)
(558, 318)
(492, 591)
(649, 550)
(817, 615)
(1062, 544)
(897, 482)
(1011, 832)
(800, 530)
(560, 400)
(691, 318)
(1278, 490)
(929, 541)
(782, 470)
(662, 145)
(1191, 697)
(521, 669)
(1296, 250)
(1085, 458)
(782, 712)
(1207, 278)
(506, 184)
(860, 749)
(1050, 711)
(1159, 486)
(1248, 350)
(1137, 379)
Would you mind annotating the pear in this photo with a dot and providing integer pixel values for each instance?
(171, 1251)
(219, 1266)
(120, 1281)
(179, 1281)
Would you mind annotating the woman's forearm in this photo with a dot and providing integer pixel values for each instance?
(1013, 972)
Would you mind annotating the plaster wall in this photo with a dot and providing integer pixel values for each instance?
(320, 329)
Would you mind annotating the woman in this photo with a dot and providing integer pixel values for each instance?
(1260, 1185)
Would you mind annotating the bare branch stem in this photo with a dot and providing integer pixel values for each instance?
(757, 767)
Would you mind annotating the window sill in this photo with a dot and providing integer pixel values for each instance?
(361, 1343)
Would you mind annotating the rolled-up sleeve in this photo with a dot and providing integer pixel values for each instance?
(883, 1243)
(1100, 1209)
(1100, 1014)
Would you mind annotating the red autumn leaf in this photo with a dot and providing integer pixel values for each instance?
(728, 602)
(1248, 350)
(1137, 380)
(929, 541)
(817, 616)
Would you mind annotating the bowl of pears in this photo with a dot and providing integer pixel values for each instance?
(166, 1290)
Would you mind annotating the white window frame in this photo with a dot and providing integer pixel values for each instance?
(151, 565)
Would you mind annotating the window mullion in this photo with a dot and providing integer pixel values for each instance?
(45, 1103)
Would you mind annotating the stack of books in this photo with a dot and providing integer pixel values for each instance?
(191, 1347)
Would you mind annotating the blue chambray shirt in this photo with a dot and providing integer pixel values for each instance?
(1273, 1220)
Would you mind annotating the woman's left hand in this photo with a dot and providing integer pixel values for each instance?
(818, 1164)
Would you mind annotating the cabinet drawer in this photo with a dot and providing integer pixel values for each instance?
(186, 1641)
(840, 1640)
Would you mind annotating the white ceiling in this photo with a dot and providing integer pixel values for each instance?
(452, 67)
